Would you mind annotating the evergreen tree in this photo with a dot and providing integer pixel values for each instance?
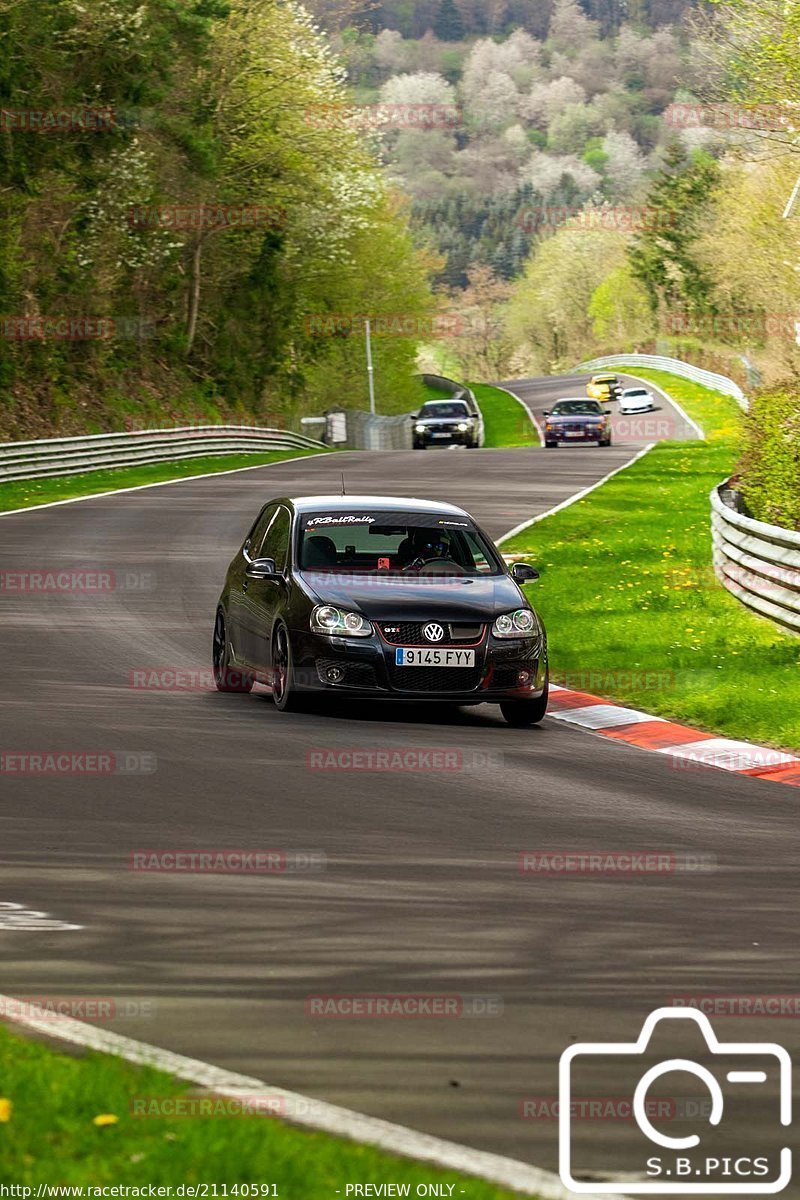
(449, 24)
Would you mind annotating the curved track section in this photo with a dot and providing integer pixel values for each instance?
(421, 891)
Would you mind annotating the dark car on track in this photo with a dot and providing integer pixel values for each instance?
(456, 421)
(577, 419)
(375, 597)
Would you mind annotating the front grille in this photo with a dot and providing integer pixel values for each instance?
(409, 633)
(356, 675)
(434, 679)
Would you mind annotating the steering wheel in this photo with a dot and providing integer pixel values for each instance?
(435, 566)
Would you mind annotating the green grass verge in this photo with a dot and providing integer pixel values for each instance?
(506, 423)
(630, 600)
(50, 1136)
(27, 493)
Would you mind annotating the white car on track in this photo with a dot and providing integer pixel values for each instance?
(636, 400)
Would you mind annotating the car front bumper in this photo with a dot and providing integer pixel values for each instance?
(576, 436)
(365, 667)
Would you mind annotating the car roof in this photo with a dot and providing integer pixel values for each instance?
(347, 503)
(569, 399)
(602, 378)
(639, 388)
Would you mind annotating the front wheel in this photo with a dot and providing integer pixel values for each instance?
(550, 445)
(284, 692)
(226, 677)
(523, 713)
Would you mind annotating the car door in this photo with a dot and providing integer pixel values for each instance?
(266, 596)
(239, 619)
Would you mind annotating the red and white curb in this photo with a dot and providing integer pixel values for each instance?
(685, 746)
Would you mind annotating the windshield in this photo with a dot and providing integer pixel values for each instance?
(405, 543)
(439, 408)
(635, 392)
(572, 408)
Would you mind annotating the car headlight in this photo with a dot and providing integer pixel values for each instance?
(419, 428)
(327, 619)
(521, 623)
(462, 427)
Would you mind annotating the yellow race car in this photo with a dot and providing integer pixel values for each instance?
(604, 387)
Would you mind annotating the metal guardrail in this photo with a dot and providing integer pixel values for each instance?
(73, 455)
(758, 563)
(709, 379)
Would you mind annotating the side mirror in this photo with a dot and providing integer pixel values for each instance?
(545, 412)
(261, 568)
(522, 573)
(413, 416)
(608, 412)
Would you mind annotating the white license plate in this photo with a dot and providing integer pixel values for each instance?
(574, 433)
(421, 656)
(441, 435)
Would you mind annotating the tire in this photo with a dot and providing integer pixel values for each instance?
(607, 442)
(283, 691)
(226, 677)
(551, 445)
(521, 714)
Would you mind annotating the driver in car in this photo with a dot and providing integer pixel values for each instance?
(427, 546)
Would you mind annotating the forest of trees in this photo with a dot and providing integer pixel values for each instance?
(209, 196)
(172, 221)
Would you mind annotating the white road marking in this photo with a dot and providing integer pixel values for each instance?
(140, 487)
(578, 496)
(529, 411)
(16, 916)
(647, 383)
(299, 1109)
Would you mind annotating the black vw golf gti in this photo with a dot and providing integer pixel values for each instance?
(378, 597)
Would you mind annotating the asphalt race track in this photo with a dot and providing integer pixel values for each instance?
(421, 891)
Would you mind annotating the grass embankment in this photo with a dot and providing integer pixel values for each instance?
(631, 603)
(72, 1121)
(506, 422)
(28, 493)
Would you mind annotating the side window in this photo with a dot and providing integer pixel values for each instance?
(256, 535)
(276, 543)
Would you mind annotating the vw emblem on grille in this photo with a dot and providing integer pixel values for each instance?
(433, 632)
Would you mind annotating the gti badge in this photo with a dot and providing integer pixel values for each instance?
(433, 632)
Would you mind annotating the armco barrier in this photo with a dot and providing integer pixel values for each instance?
(719, 383)
(758, 563)
(73, 455)
(367, 431)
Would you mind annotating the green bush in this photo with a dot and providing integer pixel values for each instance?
(770, 465)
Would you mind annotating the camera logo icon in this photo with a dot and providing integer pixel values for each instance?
(693, 1163)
